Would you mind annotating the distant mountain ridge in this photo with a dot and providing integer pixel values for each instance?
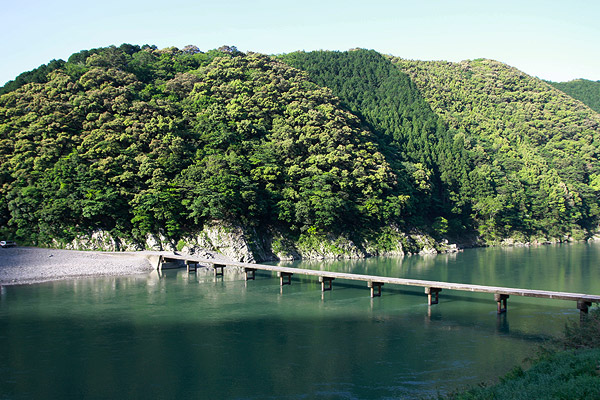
(584, 90)
(140, 141)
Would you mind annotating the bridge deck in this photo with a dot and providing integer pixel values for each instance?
(497, 290)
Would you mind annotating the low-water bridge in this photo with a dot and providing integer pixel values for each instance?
(374, 282)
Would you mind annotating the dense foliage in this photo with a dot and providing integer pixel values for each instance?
(413, 138)
(535, 150)
(38, 75)
(136, 140)
(584, 90)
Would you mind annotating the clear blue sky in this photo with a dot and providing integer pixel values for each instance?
(555, 40)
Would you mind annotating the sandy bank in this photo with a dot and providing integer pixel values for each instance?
(20, 265)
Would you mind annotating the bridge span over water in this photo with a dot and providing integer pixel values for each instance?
(375, 282)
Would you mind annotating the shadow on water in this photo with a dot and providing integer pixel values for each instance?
(417, 293)
(194, 336)
(256, 358)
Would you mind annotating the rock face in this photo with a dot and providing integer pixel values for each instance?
(104, 241)
(247, 245)
(230, 241)
(329, 247)
(100, 240)
(159, 243)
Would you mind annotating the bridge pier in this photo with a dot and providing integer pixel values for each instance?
(191, 266)
(583, 307)
(324, 280)
(372, 285)
(250, 274)
(501, 300)
(283, 275)
(219, 269)
(430, 291)
(168, 262)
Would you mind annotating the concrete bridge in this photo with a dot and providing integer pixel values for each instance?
(375, 283)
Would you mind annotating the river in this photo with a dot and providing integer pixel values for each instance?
(196, 336)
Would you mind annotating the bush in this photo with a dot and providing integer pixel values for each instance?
(573, 373)
(566, 375)
(584, 335)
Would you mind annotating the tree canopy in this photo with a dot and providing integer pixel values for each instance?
(534, 149)
(145, 141)
(137, 140)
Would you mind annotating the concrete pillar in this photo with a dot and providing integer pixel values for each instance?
(583, 307)
(283, 275)
(501, 300)
(324, 280)
(248, 271)
(430, 291)
(372, 285)
(219, 269)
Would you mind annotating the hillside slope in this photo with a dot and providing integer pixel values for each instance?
(236, 137)
(137, 141)
(411, 136)
(535, 149)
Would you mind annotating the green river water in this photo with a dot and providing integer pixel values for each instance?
(194, 336)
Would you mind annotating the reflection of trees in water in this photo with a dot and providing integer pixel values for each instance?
(384, 266)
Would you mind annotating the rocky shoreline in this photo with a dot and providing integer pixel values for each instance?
(100, 255)
(251, 245)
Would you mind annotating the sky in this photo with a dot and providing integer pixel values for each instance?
(553, 40)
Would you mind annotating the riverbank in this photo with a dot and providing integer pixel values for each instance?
(244, 244)
(569, 369)
(568, 375)
(25, 265)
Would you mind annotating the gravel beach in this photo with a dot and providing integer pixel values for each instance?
(24, 265)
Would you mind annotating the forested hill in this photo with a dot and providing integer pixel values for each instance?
(505, 152)
(137, 140)
(413, 138)
(535, 149)
(582, 89)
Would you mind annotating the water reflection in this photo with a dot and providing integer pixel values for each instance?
(502, 325)
(173, 334)
(388, 266)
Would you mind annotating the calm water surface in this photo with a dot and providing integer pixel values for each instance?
(191, 336)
